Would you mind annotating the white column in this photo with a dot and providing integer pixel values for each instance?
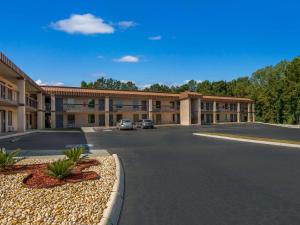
(53, 112)
(40, 111)
(199, 111)
(21, 107)
(150, 109)
(6, 120)
(238, 112)
(253, 113)
(215, 112)
(107, 111)
(249, 112)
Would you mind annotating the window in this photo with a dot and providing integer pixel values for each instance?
(172, 105)
(173, 117)
(71, 101)
(119, 104)
(218, 117)
(9, 118)
(91, 103)
(158, 104)
(102, 104)
(135, 104)
(91, 118)
(144, 105)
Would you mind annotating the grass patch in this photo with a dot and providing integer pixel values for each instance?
(253, 138)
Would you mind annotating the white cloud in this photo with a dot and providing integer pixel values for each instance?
(186, 81)
(126, 24)
(53, 83)
(155, 38)
(128, 59)
(83, 24)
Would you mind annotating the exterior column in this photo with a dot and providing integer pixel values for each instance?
(53, 112)
(249, 112)
(199, 111)
(215, 112)
(40, 111)
(107, 111)
(238, 112)
(6, 120)
(253, 113)
(150, 109)
(185, 111)
(21, 107)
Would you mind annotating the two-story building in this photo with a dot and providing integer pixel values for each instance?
(25, 105)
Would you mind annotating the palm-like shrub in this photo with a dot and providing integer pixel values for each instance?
(60, 168)
(74, 154)
(8, 159)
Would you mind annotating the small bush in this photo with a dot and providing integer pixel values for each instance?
(74, 154)
(60, 169)
(8, 159)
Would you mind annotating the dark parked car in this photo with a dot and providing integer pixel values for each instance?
(145, 123)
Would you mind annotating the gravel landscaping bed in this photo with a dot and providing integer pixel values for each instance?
(77, 203)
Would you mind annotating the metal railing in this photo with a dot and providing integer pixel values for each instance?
(128, 108)
(31, 102)
(8, 95)
(80, 108)
(165, 108)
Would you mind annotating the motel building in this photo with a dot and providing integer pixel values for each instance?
(24, 105)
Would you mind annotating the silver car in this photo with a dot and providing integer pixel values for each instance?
(125, 124)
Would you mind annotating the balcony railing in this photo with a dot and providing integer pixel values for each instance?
(8, 95)
(165, 108)
(128, 108)
(31, 102)
(81, 108)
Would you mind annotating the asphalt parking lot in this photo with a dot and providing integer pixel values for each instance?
(256, 130)
(173, 177)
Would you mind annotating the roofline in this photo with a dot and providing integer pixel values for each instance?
(168, 94)
(107, 89)
(6, 61)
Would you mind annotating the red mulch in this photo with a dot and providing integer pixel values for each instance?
(38, 178)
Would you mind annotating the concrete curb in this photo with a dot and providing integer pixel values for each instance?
(114, 205)
(249, 140)
(18, 134)
(281, 125)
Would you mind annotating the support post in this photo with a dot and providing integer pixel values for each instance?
(150, 109)
(238, 112)
(215, 112)
(21, 107)
(249, 112)
(40, 111)
(53, 112)
(199, 111)
(106, 111)
(253, 113)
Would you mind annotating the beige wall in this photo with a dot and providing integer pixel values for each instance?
(185, 112)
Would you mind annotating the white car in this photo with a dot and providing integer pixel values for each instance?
(125, 124)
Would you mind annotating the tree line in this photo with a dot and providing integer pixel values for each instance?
(275, 90)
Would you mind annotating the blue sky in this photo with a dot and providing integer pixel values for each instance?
(65, 42)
